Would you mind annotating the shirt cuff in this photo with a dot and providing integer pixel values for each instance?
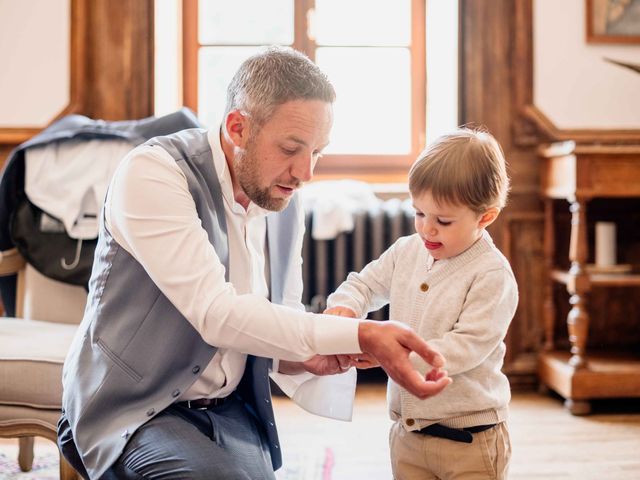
(330, 396)
(334, 335)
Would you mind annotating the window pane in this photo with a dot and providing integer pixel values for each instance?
(372, 113)
(363, 22)
(216, 68)
(245, 22)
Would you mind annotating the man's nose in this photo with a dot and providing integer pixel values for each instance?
(302, 168)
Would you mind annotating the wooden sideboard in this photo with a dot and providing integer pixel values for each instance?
(581, 175)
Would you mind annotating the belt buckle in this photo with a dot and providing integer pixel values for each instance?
(193, 407)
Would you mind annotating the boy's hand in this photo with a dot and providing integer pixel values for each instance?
(341, 312)
(391, 343)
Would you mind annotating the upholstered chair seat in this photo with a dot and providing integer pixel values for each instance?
(32, 353)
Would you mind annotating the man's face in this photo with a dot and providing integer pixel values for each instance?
(277, 159)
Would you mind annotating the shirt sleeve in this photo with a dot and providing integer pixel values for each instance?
(368, 290)
(481, 327)
(151, 214)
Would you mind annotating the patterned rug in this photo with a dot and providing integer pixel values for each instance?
(45, 466)
(297, 465)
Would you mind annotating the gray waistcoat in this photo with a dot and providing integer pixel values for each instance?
(134, 353)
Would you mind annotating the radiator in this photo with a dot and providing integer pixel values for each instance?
(326, 263)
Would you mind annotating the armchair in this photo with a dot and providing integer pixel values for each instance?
(31, 356)
(34, 342)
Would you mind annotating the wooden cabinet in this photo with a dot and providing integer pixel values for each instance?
(582, 175)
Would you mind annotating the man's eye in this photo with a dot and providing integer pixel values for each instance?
(288, 151)
(443, 223)
(419, 214)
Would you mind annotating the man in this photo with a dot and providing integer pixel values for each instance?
(168, 374)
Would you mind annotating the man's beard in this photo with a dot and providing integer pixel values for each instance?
(246, 166)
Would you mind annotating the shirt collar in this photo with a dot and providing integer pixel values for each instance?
(224, 176)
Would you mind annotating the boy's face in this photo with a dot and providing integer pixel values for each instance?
(448, 230)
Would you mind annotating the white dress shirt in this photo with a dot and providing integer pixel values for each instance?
(151, 214)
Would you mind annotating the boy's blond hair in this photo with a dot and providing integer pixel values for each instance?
(465, 167)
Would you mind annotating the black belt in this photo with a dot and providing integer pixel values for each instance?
(203, 403)
(456, 434)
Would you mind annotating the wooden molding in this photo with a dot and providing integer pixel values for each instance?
(78, 12)
(15, 136)
(531, 126)
(551, 131)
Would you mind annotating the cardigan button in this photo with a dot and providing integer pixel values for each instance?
(151, 412)
(424, 287)
(175, 393)
(195, 369)
(410, 422)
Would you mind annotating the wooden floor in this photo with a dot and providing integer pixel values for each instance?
(548, 443)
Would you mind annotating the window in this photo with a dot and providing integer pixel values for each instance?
(374, 51)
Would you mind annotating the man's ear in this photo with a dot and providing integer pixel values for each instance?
(237, 126)
(488, 217)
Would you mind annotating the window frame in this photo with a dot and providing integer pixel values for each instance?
(365, 166)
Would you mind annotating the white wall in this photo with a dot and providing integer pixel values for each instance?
(442, 68)
(573, 86)
(34, 61)
(168, 57)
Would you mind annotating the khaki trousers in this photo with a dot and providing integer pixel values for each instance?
(415, 456)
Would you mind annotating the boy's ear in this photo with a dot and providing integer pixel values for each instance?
(237, 125)
(488, 217)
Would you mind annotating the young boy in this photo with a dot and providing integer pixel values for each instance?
(450, 284)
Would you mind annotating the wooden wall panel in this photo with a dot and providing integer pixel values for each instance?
(119, 60)
(112, 63)
(496, 81)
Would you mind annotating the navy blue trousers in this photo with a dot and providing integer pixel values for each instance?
(223, 442)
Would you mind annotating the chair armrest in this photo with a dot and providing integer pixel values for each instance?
(11, 262)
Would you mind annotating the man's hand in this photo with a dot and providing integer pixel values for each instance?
(364, 361)
(328, 364)
(391, 343)
(318, 365)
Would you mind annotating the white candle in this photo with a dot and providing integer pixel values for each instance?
(605, 244)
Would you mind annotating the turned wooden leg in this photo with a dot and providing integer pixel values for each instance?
(25, 453)
(578, 326)
(578, 286)
(577, 407)
(67, 472)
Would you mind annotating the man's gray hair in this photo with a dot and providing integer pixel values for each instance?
(275, 76)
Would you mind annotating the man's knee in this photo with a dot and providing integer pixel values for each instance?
(68, 448)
